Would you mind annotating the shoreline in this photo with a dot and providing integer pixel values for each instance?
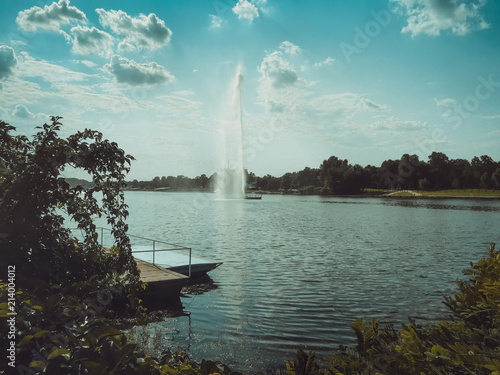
(393, 195)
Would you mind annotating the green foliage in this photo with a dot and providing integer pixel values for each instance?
(33, 195)
(303, 364)
(337, 176)
(67, 330)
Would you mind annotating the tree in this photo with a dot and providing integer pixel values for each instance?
(496, 178)
(33, 193)
(156, 182)
(485, 181)
(286, 181)
(332, 174)
(389, 174)
(424, 184)
(407, 176)
(461, 174)
(202, 182)
(307, 177)
(439, 170)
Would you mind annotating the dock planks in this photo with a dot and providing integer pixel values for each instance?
(160, 281)
(151, 273)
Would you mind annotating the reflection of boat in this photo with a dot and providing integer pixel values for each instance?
(175, 261)
(253, 196)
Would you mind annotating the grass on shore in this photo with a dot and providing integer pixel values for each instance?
(463, 193)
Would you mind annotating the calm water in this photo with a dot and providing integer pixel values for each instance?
(298, 270)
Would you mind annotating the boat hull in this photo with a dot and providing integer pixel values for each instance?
(197, 269)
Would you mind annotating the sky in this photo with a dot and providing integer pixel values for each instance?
(365, 81)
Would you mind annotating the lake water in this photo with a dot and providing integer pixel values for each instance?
(298, 270)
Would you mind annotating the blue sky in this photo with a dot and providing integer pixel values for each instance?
(365, 80)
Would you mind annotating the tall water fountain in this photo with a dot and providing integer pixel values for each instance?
(231, 175)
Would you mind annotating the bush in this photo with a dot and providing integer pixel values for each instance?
(33, 196)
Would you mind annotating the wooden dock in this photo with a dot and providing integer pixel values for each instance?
(160, 281)
(151, 273)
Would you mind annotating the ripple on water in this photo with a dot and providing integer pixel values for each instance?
(298, 270)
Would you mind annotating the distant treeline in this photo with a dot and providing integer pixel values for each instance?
(338, 176)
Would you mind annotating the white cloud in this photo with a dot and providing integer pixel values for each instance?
(22, 112)
(261, 5)
(142, 32)
(184, 92)
(446, 102)
(8, 61)
(66, 36)
(430, 17)
(91, 40)
(50, 72)
(347, 104)
(327, 61)
(494, 133)
(493, 117)
(281, 89)
(277, 71)
(135, 74)
(394, 124)
(290, 48)
(51, 17)
(215, 21)
(246, 10)
(88, 64)
(178, 105)
(371, 106)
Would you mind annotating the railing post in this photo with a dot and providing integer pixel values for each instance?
(189, 275)
(154, 252)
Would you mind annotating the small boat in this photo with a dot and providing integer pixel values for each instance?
(197, 269)
(253, 196)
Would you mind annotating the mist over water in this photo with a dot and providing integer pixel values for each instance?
(231, 175)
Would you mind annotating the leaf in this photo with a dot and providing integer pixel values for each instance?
(25, 340)
(40, 334)
(37, 364)
(166, 369)
(109, 331)
(57, 352)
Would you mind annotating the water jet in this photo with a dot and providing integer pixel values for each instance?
(231, 176)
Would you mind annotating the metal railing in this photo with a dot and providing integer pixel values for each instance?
(153, 250)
